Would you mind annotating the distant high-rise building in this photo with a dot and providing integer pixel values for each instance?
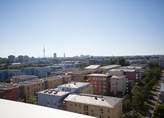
(44, 52)
(55, 55)
(11, 58)
(20, 58)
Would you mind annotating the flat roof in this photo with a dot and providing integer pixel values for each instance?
(114, 76)
(132, 67)
(7, 86)
(96, 100)
(9, 109)
(110, 67)
(28, 82)
(123, 69)
(92, 67)
(55, 92)
(25, 76)
(52, 77)
(74, 84)
(97, 75)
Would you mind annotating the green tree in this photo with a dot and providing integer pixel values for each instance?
(123, 62)
(32, 100)
(127, 105)
(137, 98)
(132, 114)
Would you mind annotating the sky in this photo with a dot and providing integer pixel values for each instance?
(75, 27)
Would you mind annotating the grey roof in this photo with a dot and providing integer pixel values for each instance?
(110, 67)
(7, 86)
(75, 84)
(54, 92)
(25, 76)
(96, 100)
(97, 75)
(92, 67)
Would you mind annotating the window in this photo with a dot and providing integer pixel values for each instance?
(101, 110)
(86, 113)
(75, 104)
(85, 107)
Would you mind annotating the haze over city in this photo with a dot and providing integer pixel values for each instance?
(82, 58)
(74, 27)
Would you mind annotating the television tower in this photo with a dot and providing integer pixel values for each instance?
(44, 52)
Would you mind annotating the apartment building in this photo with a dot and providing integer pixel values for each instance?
(9, 91)
(93, 105)
(100, 83)
(76, 87)
(104, 69)
(30, 88)
(7, 74)
(66, 78)
(118, 85)
(139, 70)
(21, 78)
(161, 93)
(51, 98)
(77, 76)
(116, 72)
(131, 74)
(52, 82)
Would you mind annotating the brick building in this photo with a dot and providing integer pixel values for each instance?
(9, 91)
(100, 83)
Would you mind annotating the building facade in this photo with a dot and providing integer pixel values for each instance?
(21, 78)
(52, 82)
(9, 91)
(30, 88)
(100, 83)
(93, 105)
(76, 87)
(118, 85)
(51, 98)
(161, 94)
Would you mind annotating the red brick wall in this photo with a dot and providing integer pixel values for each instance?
(131, 75)
(11, 94)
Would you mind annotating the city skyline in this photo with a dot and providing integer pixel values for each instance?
(88, 27)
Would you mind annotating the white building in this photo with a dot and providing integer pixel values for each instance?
(76, 87)
(94, 105)
(118, 84)
(92, 67)
(116, 72)
(109, 67)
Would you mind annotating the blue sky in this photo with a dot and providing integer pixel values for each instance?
(74, 27)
